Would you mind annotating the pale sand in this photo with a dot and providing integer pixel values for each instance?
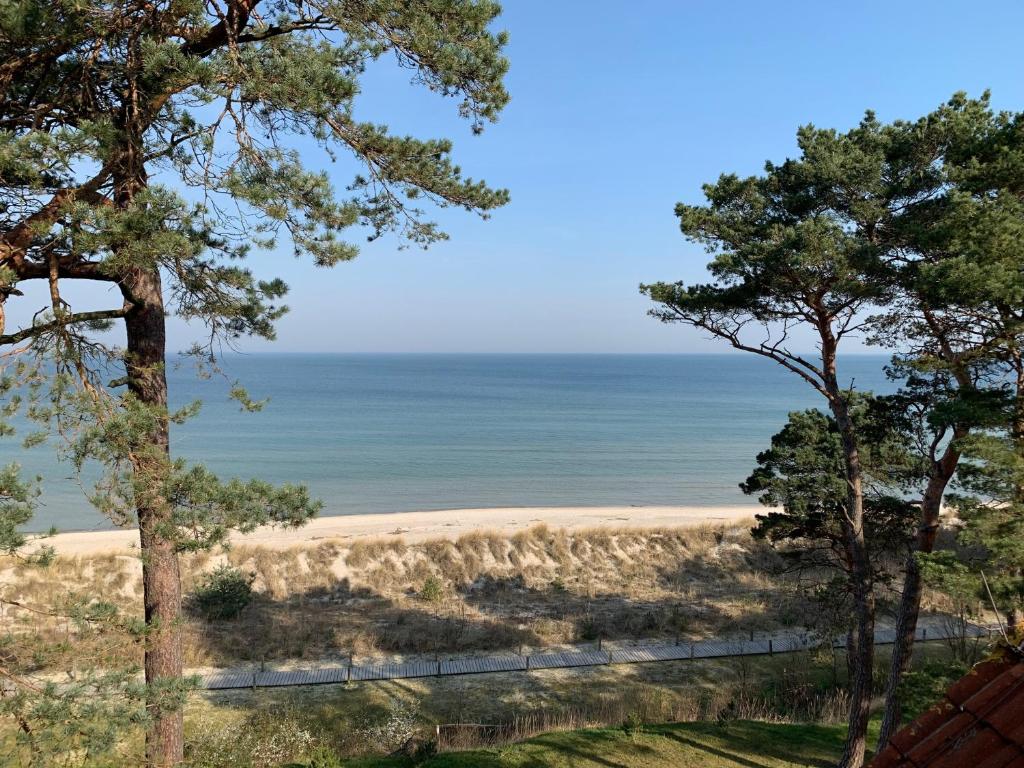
(417, 526)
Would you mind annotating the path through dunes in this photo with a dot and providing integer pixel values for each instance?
(759, 644)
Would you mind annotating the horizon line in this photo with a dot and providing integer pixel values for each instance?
(733, 353)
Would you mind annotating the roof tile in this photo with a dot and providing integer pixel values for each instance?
(929, 722)
(997, 694)
(980, 676)
(981, 743)
(1008, 720)
(980, 724)
(1009, 756)
(889, 757)
(947, 737)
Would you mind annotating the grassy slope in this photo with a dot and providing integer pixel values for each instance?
(533, 588)
(681, 745)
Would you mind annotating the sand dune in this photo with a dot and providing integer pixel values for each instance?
(417, 526)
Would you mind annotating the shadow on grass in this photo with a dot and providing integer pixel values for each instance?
(323, 623)
(716, 752)
(810, 745)
(689, 745)
(495, 615)
(609, 616)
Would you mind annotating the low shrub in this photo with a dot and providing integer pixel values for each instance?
(223, 593)
(265, 739)
(634, 723)
(322, 758)
(921, 688)
(589, 629)
(395, 730)
(432, 590)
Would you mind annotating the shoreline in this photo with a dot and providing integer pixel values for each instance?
(418, 526)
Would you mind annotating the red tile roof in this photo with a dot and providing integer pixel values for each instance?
(979, 723)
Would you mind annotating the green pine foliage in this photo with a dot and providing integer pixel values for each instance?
(905, 234)
(155, 147)
(69, 697)
(223, 593)
(802, 474)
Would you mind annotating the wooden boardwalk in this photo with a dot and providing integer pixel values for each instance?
(758, 644)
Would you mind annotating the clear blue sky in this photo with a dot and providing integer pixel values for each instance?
(619, 110)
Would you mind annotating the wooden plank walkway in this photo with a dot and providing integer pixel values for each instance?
(757, 645)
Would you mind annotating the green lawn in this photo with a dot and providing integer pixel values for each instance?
(681, 745)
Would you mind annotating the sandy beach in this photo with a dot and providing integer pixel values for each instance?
(417, 526)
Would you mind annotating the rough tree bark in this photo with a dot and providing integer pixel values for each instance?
(147, 381)
(861, 656)
(145, 366)
(1014, 617)
(910, 601)
(940, 473)
(851, 654)
(863, 599)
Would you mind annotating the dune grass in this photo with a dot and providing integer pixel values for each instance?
(490, 591)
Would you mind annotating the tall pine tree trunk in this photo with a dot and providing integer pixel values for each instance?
(903, 646)
(862, 656)
(913, 585)
(940, 474)
(160, 571)
(1014, 618)
(851, 654)
(145, 364)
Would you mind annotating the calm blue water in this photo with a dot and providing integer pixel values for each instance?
(389, 433)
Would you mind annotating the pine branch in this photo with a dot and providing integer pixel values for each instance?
(15, 242)
(78, 317)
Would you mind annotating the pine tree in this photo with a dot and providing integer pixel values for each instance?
(980, 281)
(802, 475)
(151, 146)
(786, 259)
(908, 233)
(84, 703)
(952, 258)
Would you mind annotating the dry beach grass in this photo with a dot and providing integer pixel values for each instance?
(420, 526)
(491, 590)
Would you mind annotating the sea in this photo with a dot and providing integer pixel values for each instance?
(378, 433)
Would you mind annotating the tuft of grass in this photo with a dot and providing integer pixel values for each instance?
(363, 551)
